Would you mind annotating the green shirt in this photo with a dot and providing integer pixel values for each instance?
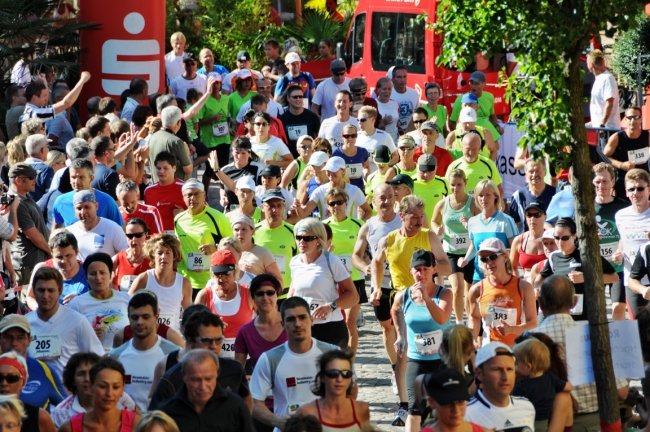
(190, 125)
(431, 192)
(282, 244)
(235, 102)
(439, 117)
(482, 169)
(485, 106)
(344, 237)
(207, 132)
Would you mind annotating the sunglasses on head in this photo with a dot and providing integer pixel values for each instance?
(336, 203)
(269, 293)
(136, 235)
(563, 238)
(305, 238)
(534, 215)
(492, 257)
(261, 124)
(10, 378)
(635, 189)
(633, 117)
(334, 373)
(348, 136)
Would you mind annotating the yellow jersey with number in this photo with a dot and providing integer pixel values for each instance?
(399, 252)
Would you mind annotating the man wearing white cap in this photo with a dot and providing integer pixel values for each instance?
(189, 79)
(199, 228)
(335, 169)
(323, 103)
(296, 76)
(467, 122)
(332, 128)
(492, 406)
(476, 166)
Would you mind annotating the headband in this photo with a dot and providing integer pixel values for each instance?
(15, 363)
(267, 283)
(192, 184)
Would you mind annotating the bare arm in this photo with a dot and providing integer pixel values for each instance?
(138, 284)
(474, 321)
(282, 163)
(358, 256)
(440, 313)
(241, 358)
(175, 337)
(442, 261)
(636, 286)
(400, 324)
(275, 271)
(492, 145)
(610, 148)
(262, 414)
(35, 236)
(349, 297)
(514, 251)
(288, 175)
(187, 293)
(436, 219)
(194, 110)
(45, 423)
(315, 108)
(364, 211)
(72, 97)
(529, 311)
(609, 107)
(378, 259)
(389, 174)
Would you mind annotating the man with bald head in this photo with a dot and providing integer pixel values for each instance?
(207, 60)
(476, 166)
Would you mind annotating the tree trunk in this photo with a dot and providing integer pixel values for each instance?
(585, 217)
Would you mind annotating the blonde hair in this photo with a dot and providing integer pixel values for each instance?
(16, 151)
(597, 57)
(456, 340)
(177, 35)
(11, 404)
(83, 133)
(163, 240)
(349, 126)
(405, 138)
(313, 226)
(153, 418)
(156, 125)
(230, 241)
(637, 174)
(491, 187)
(32, 126)
(602, 166)
(409, 202)
(336, 192)
(3, 150)
(535, 352)
(369, 111)
(458, 173)
(54, 157)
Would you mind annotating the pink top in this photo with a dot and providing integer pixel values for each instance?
(77, 421)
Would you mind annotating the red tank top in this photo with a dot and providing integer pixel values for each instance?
(77, 421)
(244, 313)
(162, 332)
(526, 260)
(124, 273)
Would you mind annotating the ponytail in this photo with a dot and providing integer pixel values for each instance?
(456, 339)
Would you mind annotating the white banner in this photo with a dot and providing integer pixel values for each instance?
(512, 179)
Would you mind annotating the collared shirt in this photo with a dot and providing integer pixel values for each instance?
(129, 108)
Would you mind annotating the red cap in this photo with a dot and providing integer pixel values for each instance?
(222, 261)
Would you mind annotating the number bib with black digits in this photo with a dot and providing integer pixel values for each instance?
(220, 129)
(347, 262)
(45, 347)
(459, 242)
(198, 262)
(296, 131)
(428, 343)
(228, 348)
(639, 156)
(314, 304)
(355, 171)
(607, 250)
(165, 319)
(494, 315)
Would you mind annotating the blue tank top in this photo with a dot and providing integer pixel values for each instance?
(423, 334)
(78, 284)
(354, 165)
(310, 190)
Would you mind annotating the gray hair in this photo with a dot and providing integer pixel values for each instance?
(358, 83)
(31, 126)
(74, 143)
(34, 144)
(82, 164)
(313, 226)
(170, 116)
(198, 356)
(471, 136)
(126, 186)
(164, 101)
(81, 153)
(290, 42)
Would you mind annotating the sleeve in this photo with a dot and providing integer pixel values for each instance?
(322, 130)
(314, 127)
(261, 380)
(639, 268)
(558, 383)
(547, 270)
(54, 127)
(552, 211)
(610, 89)
(511, 228)
(607, 266)
(55, 212)
(318, 96)
(359, 198)
(455, 112)
(87, 340)
(164, 390)
(513, 211)
(184, 157)
(174, 87)
(282, 148)
(57, 391)
(114, 213)
(317, 195)
(279, 87)
(267, 257)
(288, 199)
(312, 83)
(119, 240)
(224, 226)
(338, 269)
(242, 111)
(158, 221)
(388, 142)
(25, 220)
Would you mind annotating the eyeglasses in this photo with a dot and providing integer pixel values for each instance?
(10, 378)
(334, 373)
(297, 97)
(534, 215)
(305, 238)
(190, 64)
(406, 148)
(305, 147)
(348, 136)
(208, 341)
(635, 189)
(336, 203)
(226, 273)
(269, 293)
(418, 121)
(489, 257)
(360, 92)
(111, 149)
(261, 124)
(634, 117)
(136, 235)
(363, 119)
(563, 238)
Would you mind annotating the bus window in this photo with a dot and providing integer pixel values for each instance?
(359, 30)
(397, 39)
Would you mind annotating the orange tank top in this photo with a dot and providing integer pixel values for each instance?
(496, 303)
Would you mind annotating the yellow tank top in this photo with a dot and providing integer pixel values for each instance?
(500, 303)
(399, 252)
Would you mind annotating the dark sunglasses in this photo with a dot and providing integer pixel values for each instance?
(348, 136)
(26, 177)
(269, 293)
(534, 215)
(208, 341)
(418, 121)
(634, 117)
(338, 74)
(640, 189)
(297, 97)
(10, 378)
(363, 119)
(261, 124)
(336, 203)
(489, 257)
(360, 91)
(334, 373)
(226, 273)
(136, 235)
(406, 148)
(305, 238)
(305, 147)
(563, 238)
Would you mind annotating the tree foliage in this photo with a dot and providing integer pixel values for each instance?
(626, 50)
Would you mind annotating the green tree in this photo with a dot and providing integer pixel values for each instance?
(626, 50)
(548, 37)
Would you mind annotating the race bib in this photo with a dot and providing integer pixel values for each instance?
(335, 142)
(355, 171)
(220, 129)
(608, 249)
(281, 261)
(166, 319)
(296, 131)
(126, 282)
(228, 348)
(198, 262)
(347, 262)
(171, 232)
(459, 242)
(404, 123)
(494, 315)
(428, 343)
(45, 347)
(577, 309)
(639, 156)
(386, 269)
(315, 303)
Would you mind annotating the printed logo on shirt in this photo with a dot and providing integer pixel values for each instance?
(291, 382)
(507, 423)
(31, 387)
(99, 241)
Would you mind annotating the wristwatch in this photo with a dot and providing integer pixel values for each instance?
(333, 306)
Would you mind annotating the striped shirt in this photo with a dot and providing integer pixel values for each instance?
(32, 111)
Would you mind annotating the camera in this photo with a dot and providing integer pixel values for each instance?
(6, 199)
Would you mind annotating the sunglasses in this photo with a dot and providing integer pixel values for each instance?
(261, 124)
(363, 120)
(336, 203)
(25, 177)
(226, 273)
(334, 373)
(208, 341)
(338, 74)
(305, 147)
(297, 97)
(10, 378)
(563, 238)
(348, 136)
(269, 293)
(136, 235)
(634, 117)
(489, 257)
(635, 189)
(305, 238)
(534, 215)
(409, 148)
(360, 91)
(418, 121)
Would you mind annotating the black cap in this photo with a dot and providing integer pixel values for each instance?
(243, 56)
(271, 171)
(189, 57)
(22, 169)
(446, 386)
(272, 194)
(423, 257)
(539, 205)
(401, 179)
(382, 154)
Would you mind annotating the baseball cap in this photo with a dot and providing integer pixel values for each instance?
(429, 125)
(22, 169)
(242, 218)
(381, 154)
(337, 66)
(492, 245)
(189, 58)
(301, 138)
(243, 56)
(334, 164)
(446, 386)
(548, 234)
(271, 171)
(427, 162)
(489, 351)
(318, 158)
(14, 321)
(477, 76)
(539, 205)
(83, 196)
(292, 57)
(216, 75)
(222, 261)
(467, 114)
(423, 257)
(244, 73)
(272, 194)
(246, 182)
(469, 98)
(401, 179)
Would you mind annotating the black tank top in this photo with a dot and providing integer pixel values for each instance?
(172, 360)
(626, 144)
(30, 424)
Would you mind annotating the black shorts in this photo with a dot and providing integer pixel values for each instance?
(361, 289)
(201, 149)
(634, 302)
(382, 312)
(467, 271)
(223, 156)
(413, 369)
(617, 290)
(334, 332)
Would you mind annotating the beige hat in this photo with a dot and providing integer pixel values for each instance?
(14, 321)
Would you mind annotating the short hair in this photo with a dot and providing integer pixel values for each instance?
(12, 91)
(421, 111)
(82, 153)
(62, 239)
(100, 144)
(144, 298)
(138, 221)
(398, 68)
(73, 143)
(156, 418)
(349, 126)
(34, 88)
(264, 115)
(31, 127)
(165, 156)
(313, 226)
(358, 83)
(258, 100)
(302, 423)
(169, 241)
(11, 403)
(177, 35)
(164, 101)
(83, 134)
(535, 352)
(198, 319)
(596, 57)
(336, 192)
(490, 186)
(262, 280)
(140, 115)
(602, 166)
(126, 186)
(540, 162)
(336, 354)
(171, 116)
(58, 91)
(410, 202)
(35, 143)
(637, 174)
(382, 82)
(320, 143)
(137, 85)
(96, 125)
(272, 43)
(294, 87)
(107, 106)
(198, 356)
(469, 137)
(368, 111)
(345, 92)
(433, 85)
(48, 274)
(634, 108)
(106, 363)
(292, 303)
(193, 95)
(556, 294)
(79, 163)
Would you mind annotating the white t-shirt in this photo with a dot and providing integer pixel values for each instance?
(289, 375)
(370, 143)
(107, 236)
(604, 88)
(174, 65)
(357, 199)
(228, 81)
(518, 416)
(273, 109)
(630, 226)
(139, 367)
(111, 313)
(66, 333)
(390, 108)
(272, 150)
(288, 198)
(181, 85)
(331, 129)
(408, 102)
(325, 95)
